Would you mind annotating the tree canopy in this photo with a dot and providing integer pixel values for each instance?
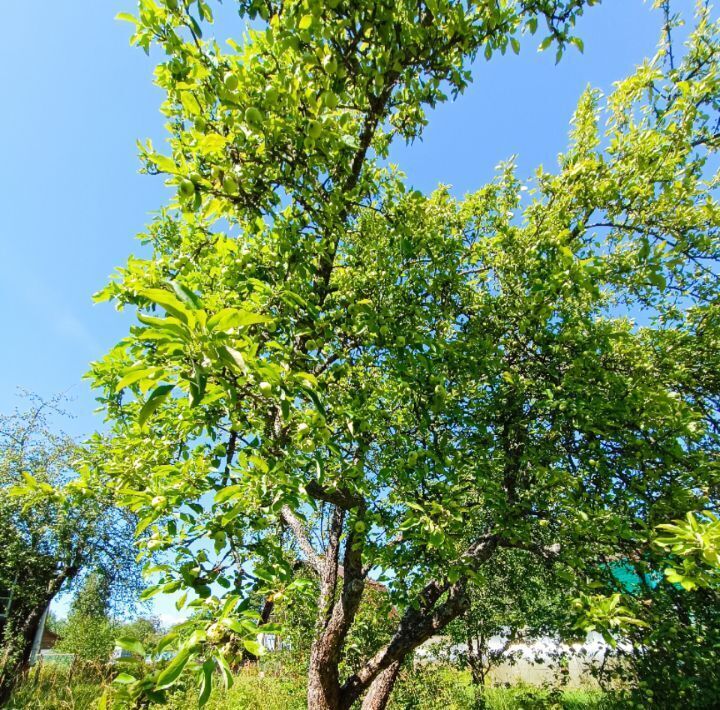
(333, 368)
(55, 525)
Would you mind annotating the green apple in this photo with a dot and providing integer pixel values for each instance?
(329, 99)
(231, 81)
(253, 116)
(271, 96)
(187, 188)
(314, 129)
(230, 185)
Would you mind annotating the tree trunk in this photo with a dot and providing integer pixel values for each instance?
(323, 680)
(378, 696)
(16, 654)
(476, 659)
(18, 637)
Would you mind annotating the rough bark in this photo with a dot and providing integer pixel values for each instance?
(381, 689)
(323, 672)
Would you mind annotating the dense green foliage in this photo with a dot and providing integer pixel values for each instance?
(54, 526)
(88, 632)
(516, 599)
(335, 371)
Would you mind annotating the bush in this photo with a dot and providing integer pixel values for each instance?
(51, 686)
(432, 687)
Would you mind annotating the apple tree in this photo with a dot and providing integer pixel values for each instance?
(335, 370)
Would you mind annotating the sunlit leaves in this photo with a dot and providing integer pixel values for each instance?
(311, 332)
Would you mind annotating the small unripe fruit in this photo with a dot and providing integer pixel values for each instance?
(360, 527)
(314, 129)
(253, 116)
(215, 633)
(266, 387)
(231, 81)
(329, 99)
(187, 188)
(400, 341)
(271, 96)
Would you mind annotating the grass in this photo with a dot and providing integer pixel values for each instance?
(79, 688)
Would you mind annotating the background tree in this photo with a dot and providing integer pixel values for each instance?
(146, 629)
(89, 633)
(514, 600)
(367, 368)
(53, 528)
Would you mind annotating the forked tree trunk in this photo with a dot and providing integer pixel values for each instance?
(381, 689)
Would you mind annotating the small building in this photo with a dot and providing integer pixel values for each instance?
(48, 640)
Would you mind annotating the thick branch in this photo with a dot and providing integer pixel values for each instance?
(420, 623)
(339, 497)
(296, 525)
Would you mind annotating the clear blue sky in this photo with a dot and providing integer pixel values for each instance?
(76, 98)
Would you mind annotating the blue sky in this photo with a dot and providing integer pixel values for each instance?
(77, 97)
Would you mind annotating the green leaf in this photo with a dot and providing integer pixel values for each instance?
(156, 398)
(168, 301)
(170, 325)
(126, 17)
(174, 669)
(186, 295)
(211, 143)
(306, 22)
(197, 386)
(229, 318)
(233, 358)
(225, 494)
(206, 682)
(130, 644)
(134, 376)
(545, 43)
(124, 679)
(233, 625)
(253, 647)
